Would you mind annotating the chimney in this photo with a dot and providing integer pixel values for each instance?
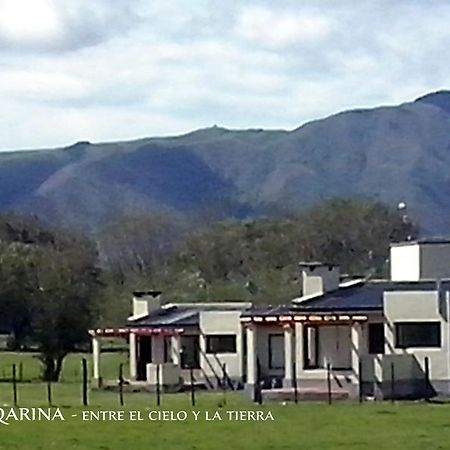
(319, 278)
(145, 302)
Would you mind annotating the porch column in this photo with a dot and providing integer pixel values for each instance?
(250, 332)
(133, 356)
(299, 356)
(356, 335)
(288, 363)
(202, 352)
(96, 349)
(175, 347)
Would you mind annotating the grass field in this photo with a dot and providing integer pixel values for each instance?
(304, 426)
(308, 426)
(32, 367)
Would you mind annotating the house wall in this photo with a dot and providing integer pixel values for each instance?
(158, 349)
(216, 323)
(414, 262)
(425, 306)
(434, 261)
(335, 346)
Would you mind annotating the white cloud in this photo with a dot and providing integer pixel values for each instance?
(116, 69)
(28, 22)
(59, 25)
(272, 28)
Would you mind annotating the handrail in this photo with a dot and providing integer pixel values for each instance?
(218, 379)
(224, 371)
(208, 381)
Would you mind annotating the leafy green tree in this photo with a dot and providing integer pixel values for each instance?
(64, 305)
(49, 281)
(258, 260)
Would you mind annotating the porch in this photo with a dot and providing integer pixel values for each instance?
(287, 351)
(173, 358)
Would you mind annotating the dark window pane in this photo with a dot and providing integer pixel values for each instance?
(417, 334)
(376, 338)
(221, 343)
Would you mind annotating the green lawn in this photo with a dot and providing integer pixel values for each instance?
(31, 366)
(309, 426)
(304, 426)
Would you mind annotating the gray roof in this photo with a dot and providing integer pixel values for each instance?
(430, 240)
(179, 315)
(174, 316)
(358, 298)
(363, 297)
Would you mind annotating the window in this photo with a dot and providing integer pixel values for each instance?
(376, 338)
(276, 351)
(221, 343)
(417, 334)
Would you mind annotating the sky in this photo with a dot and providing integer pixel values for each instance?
(107, 70)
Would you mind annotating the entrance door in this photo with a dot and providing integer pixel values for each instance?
(335, 346)
(311, 347)
(144, 356)
(190, 357)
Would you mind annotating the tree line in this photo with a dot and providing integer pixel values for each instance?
(55, 283)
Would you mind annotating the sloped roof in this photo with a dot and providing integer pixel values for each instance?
(168, 317)
(363, 297)
(179, 315)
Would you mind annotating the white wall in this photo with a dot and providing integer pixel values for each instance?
(405, 262)
(335, 346)
(221, 322)
(419, 307)
(424, 261)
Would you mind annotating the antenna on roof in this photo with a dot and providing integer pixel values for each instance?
(402, 208)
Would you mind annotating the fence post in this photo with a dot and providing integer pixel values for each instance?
(191, 373)
(49, 392)
(14, 384)
(224, 383)
(427, 378)
(259, 382)
(329, 383)
(392, 383)
(294, 382)
(121, 384)
(21, 371)
(85, 382)
(360, 381)
(158, 384)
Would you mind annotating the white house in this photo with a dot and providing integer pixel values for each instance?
(174, 338)
(373, 337)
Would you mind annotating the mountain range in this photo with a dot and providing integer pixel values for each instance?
(391, 153)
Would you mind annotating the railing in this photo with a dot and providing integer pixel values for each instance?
(226, 380)
(217, 377)
(206, 378)
(223, 380)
